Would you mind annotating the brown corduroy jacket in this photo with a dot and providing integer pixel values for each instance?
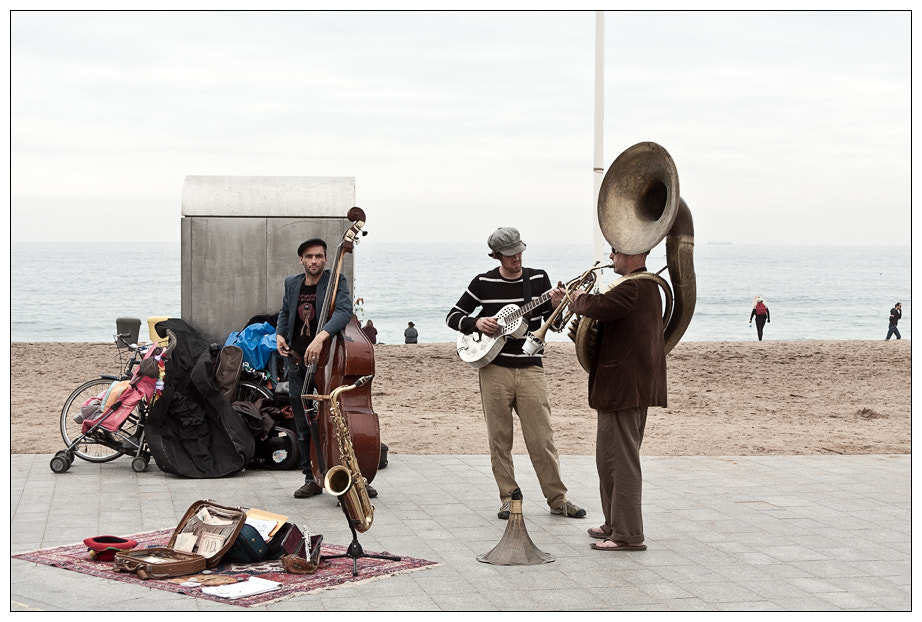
(630, 370)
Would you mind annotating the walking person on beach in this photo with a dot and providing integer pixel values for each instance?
(896, 313)
(300, 340)
(760, 313)
(513, 380)
(627, 377)
(410, 335)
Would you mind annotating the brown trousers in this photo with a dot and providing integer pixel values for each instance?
(617, 457)
(502, 390)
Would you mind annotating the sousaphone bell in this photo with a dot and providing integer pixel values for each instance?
(515, 548)
(639, 205)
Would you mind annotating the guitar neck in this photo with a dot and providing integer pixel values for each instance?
(537, 302)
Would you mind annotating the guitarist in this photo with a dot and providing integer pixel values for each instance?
(514, 380)
(300, 340)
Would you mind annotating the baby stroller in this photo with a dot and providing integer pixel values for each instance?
(105, 417)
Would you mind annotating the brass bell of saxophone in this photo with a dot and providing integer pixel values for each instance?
(345, 480)
(515, 548)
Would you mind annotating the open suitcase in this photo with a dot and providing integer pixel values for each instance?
(205, 533)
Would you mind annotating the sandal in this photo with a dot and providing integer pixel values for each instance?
(598, 532)
(619, 546)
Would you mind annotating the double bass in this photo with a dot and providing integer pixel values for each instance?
(346, 357)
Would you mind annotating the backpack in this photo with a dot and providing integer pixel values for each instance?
(761, 309)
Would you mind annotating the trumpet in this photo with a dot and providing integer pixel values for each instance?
(558, 319)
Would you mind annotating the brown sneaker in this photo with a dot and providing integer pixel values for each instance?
(309, 489)
(569, 510)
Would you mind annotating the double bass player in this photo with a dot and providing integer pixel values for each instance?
(301, 341)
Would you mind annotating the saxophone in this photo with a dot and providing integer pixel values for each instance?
(345, 481)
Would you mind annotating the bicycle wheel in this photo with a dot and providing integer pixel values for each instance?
(248, 391)
(88, 449)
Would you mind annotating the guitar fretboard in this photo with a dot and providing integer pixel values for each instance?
(537, 302)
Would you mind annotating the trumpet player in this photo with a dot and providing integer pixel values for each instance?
(627, 377)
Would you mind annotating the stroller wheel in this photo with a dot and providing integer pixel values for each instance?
(139, 464)
(60, 464)
(89, 447)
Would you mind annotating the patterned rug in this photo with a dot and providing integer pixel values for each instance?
(331, 573)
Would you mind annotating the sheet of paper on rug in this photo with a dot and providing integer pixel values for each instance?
(250, 587)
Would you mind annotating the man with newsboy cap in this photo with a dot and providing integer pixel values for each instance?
(300, 339)
(514, 380)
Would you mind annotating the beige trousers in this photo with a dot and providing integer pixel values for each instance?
(502, 390)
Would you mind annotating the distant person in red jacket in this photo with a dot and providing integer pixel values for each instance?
(760, 313)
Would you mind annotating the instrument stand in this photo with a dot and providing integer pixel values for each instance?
(355, 550)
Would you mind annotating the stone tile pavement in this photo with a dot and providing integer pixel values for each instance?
(765, 533)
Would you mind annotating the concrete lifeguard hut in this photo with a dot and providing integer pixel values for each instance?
(240, 237)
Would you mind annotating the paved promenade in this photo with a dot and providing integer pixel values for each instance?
(770, 533)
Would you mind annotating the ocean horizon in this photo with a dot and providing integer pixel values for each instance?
(74, 291)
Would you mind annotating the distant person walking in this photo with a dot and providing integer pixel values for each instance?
(370, 331)
(760, 313)
(410, 335)
(895, 314)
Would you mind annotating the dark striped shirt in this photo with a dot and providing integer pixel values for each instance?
(491, 292)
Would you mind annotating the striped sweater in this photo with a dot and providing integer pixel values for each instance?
(491, 292)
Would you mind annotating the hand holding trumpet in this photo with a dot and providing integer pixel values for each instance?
(560, 292)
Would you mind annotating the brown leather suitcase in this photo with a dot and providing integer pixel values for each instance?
(205, 533)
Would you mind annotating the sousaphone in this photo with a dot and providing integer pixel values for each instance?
(639, 205)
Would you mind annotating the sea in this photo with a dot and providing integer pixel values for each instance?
(73, 292)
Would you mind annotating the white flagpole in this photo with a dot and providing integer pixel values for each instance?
(598, 166)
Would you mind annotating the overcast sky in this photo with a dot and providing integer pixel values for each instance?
(786, 127)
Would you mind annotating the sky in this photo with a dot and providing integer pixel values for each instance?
(785, 127)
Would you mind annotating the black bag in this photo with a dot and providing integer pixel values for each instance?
(248, 548)
(278, 451)
(192, 430)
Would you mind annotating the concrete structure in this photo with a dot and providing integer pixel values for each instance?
(239, 241)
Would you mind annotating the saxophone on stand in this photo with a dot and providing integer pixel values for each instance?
(345, 480)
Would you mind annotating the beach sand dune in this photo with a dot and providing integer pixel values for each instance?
(725, 398)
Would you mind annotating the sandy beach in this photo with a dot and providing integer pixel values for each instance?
(725, 398)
